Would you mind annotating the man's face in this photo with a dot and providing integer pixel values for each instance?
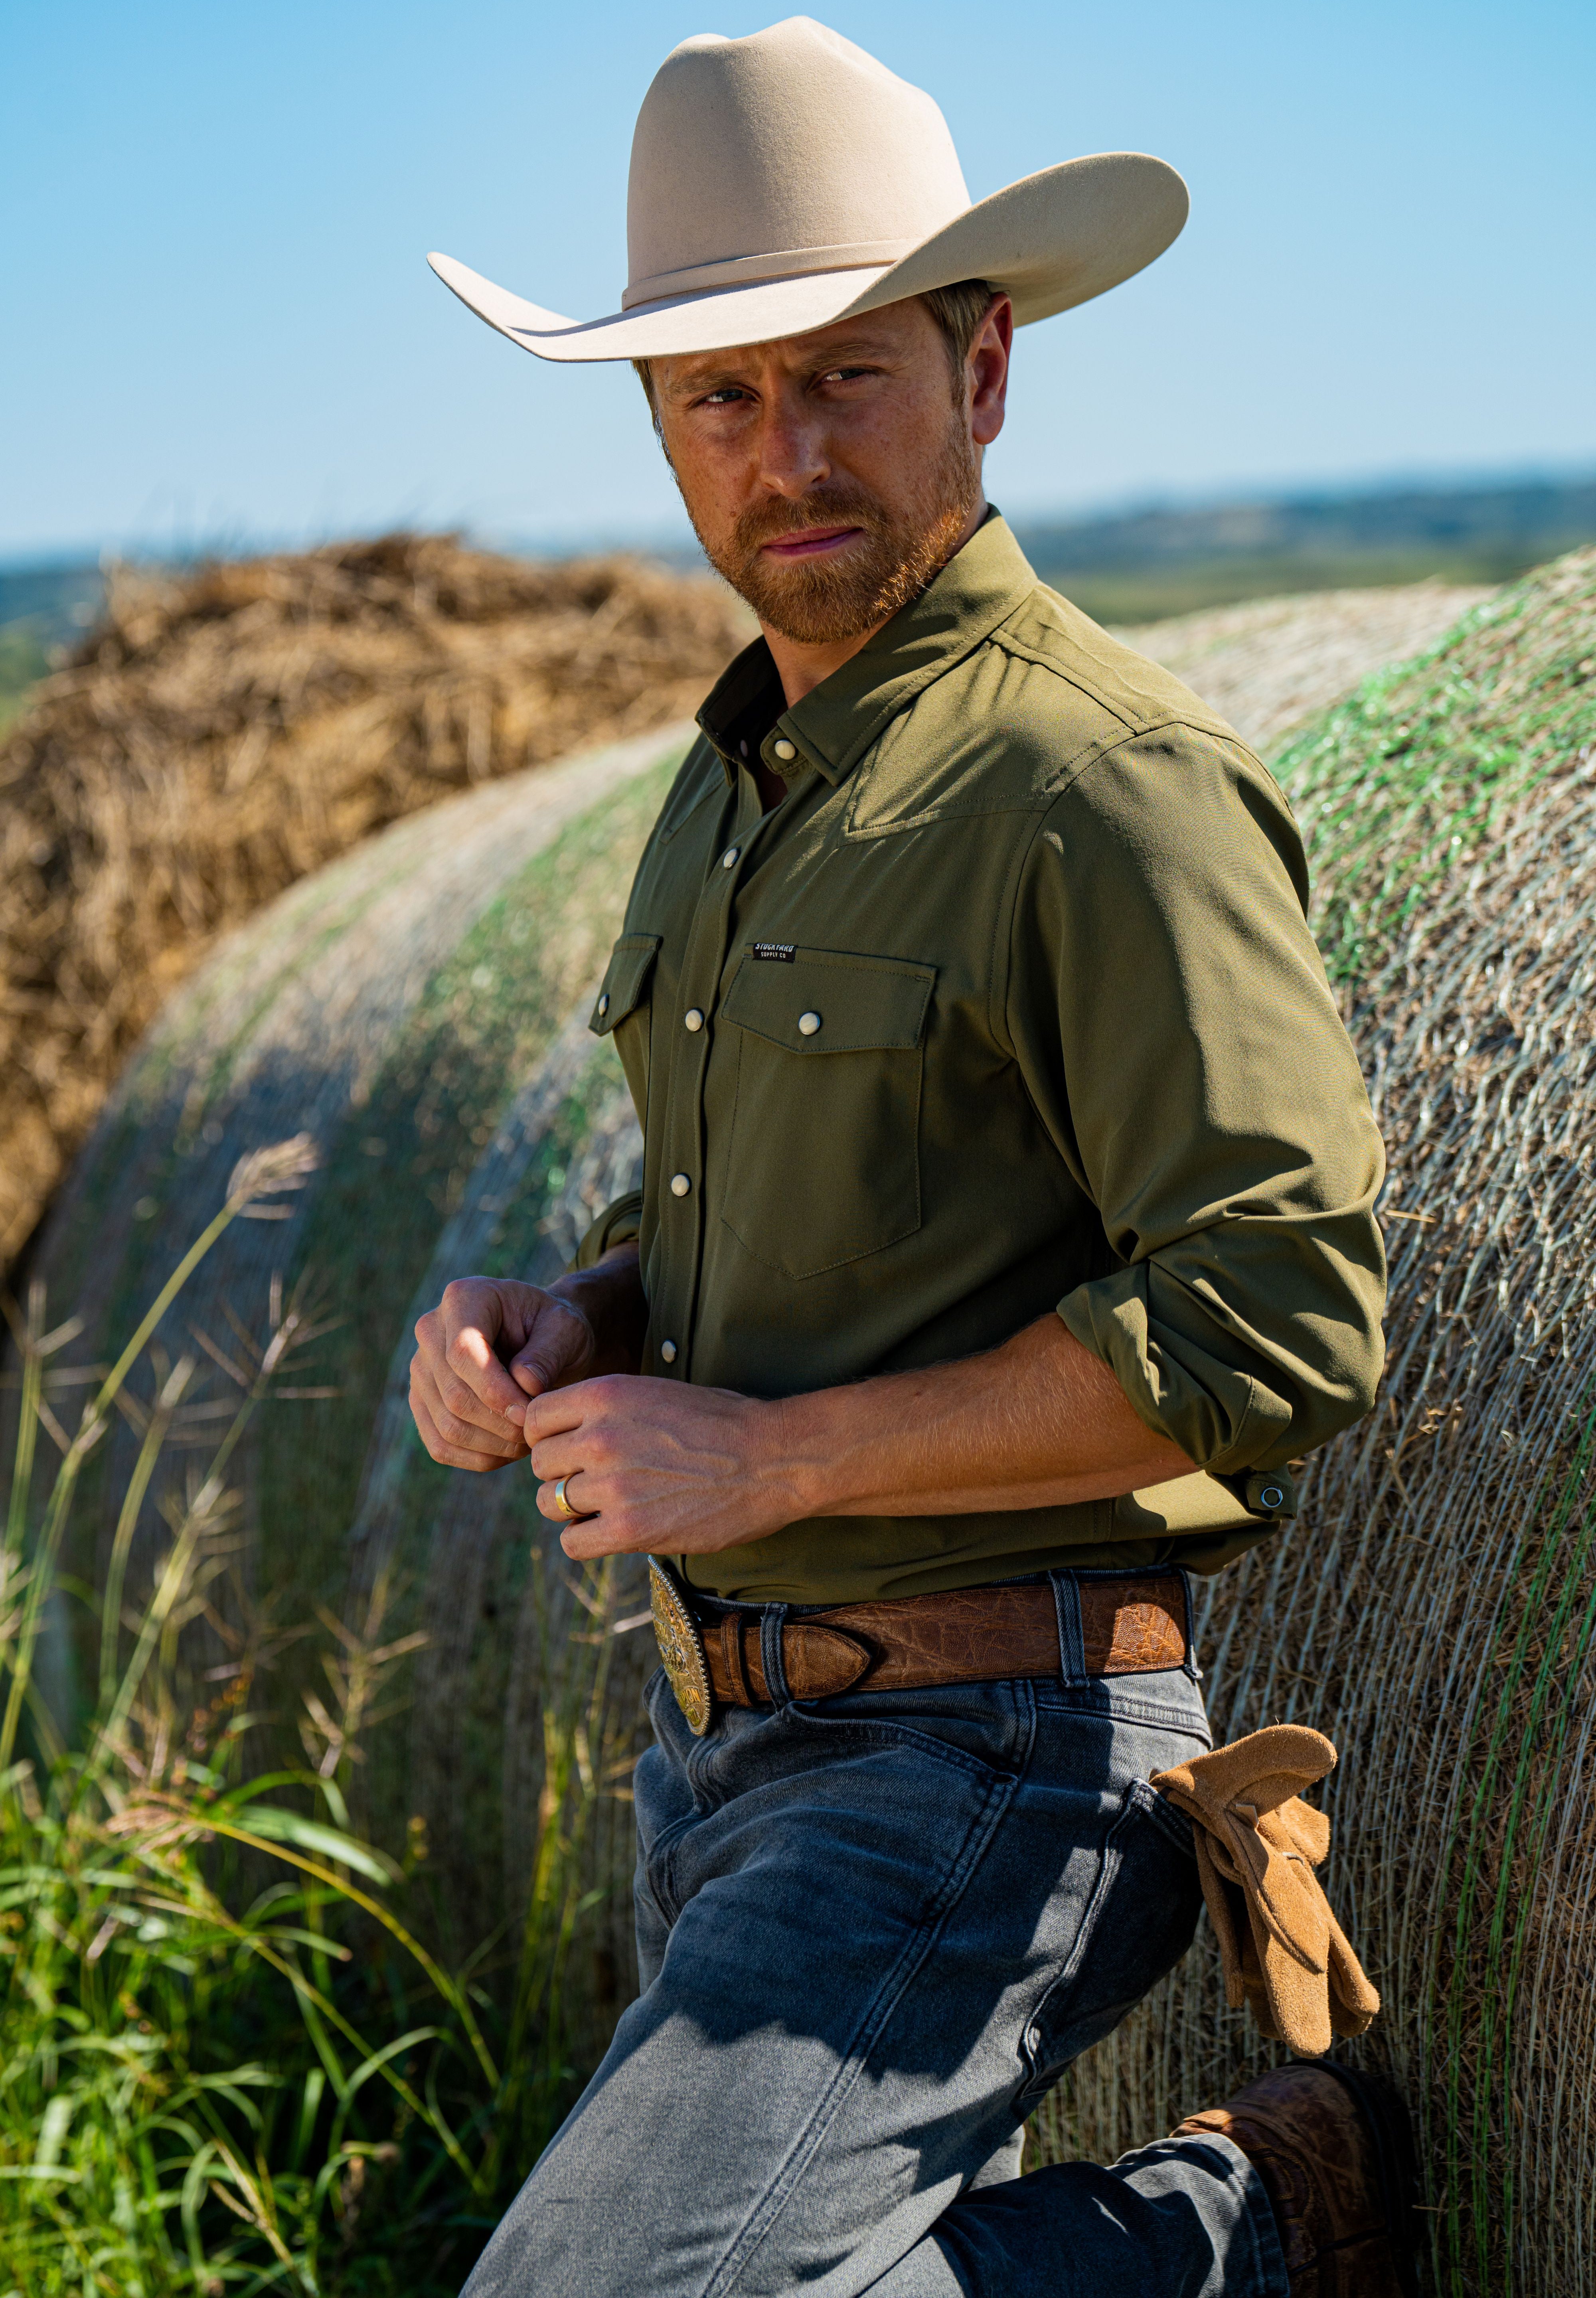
(828, 475)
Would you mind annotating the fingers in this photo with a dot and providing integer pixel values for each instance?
(467, 1403)
(557, 1349)
(452, 1439)
(473, 1320)
(587, 1404)
(578, 1497)
(597, 1536)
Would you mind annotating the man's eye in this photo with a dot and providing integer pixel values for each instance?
(843, 373)
(723, 397)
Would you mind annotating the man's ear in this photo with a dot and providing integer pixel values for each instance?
(989, 369)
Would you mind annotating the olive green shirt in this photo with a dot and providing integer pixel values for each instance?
(1009, 1006)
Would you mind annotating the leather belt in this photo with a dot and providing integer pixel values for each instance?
(1130, 1626)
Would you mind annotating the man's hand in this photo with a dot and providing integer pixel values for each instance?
(489, 1345)
(660, 1466)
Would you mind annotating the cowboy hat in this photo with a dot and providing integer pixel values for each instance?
(787, 180)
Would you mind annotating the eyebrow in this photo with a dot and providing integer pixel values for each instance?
(843, 354)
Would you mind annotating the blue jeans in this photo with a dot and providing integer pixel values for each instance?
(873, 1931)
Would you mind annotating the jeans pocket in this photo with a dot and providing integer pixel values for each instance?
(1137, 1923)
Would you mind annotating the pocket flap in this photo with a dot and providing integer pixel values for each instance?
(626, 978)
(824, 1001)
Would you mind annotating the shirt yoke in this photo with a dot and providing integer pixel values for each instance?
(1012, 723)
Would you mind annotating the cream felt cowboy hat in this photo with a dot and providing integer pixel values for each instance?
(786, 180)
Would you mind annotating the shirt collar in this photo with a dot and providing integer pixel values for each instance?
(834, 724)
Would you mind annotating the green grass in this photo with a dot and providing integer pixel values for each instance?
(229, 2064)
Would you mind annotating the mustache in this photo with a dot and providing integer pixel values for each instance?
(833, 507)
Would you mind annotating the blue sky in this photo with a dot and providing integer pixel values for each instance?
(218, 325)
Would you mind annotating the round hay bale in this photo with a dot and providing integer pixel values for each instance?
(420, 1009)
(1270, 665)
(1434, 1609)
(225, 732)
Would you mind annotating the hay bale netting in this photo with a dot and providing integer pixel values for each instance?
(1434, 1611)
(420, 1009)
(227, 730)
(1271, 663)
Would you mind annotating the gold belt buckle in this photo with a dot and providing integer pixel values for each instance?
(681, 1647)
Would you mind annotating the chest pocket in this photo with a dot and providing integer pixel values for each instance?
(622, 1009)
(824, 1159)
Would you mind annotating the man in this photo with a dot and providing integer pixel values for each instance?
(1005, 1229)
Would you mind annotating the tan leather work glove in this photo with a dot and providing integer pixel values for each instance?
(1258, 1845)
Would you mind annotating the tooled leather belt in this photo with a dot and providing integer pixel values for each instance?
(1129, 1624)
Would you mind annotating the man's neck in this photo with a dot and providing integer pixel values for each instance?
(801, 667)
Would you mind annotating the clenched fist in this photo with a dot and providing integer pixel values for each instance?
(493, 1342)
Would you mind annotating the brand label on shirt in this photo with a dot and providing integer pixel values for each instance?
(784, 952)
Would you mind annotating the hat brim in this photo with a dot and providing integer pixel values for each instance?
(1050, 241)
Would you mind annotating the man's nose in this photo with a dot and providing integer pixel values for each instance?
(792, 456)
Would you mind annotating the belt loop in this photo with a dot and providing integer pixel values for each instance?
(1071, 1637)
(771, 1622)
(1189, 1664)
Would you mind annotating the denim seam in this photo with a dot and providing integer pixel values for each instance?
(1084, 1936)
(1149, 1711)
(1162, 1813)
(902, 1736)
(854, 2058)
(1127, 1709)
(659, 1868)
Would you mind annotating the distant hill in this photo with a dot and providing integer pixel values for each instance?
(1139, 565)
(43, 611)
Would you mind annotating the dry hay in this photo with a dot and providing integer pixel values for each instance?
(225, 732)
(419, 1008)
(1272, 664)
(1434, 1610)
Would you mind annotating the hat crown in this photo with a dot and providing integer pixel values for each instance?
(792, 142)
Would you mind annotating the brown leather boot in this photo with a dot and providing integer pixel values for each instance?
(1335, 2150)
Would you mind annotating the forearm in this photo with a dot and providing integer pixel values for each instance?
(1040, 1422)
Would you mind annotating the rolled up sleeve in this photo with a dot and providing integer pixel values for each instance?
(1172, 1019)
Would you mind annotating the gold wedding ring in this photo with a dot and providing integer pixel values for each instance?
(562, 1498)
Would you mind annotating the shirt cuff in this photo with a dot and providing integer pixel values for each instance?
(1162, 1348)
(617, 1224)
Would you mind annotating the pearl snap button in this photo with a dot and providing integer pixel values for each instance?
(693, 1018)
(604, 1005)
(680, 1185)
(808, 1023)
(729, 858)
(668, 1351)
(783, 749)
